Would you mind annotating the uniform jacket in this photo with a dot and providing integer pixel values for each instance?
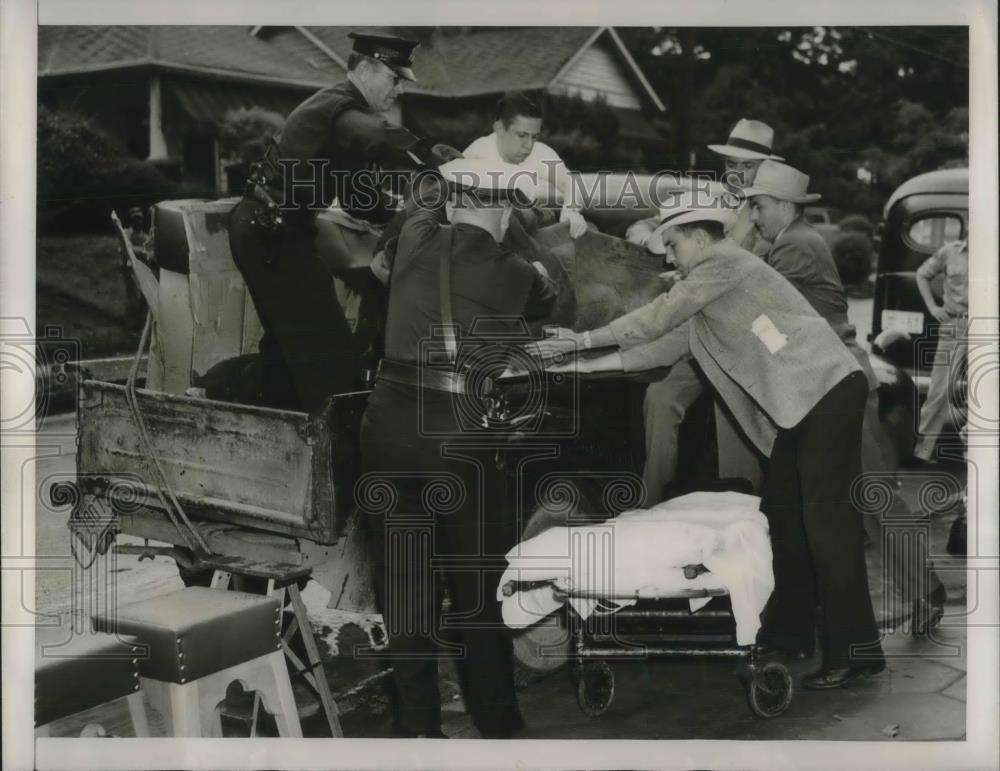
(337, 126)
(768, 354)
(493, 287)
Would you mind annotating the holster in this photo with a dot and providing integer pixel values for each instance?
(268, 214)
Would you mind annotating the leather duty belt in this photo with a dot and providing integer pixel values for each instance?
(421, 377)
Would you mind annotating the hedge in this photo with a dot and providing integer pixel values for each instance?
(853, 252)
(84, 173)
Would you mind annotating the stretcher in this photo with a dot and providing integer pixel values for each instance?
(616, 631)
(686, 579)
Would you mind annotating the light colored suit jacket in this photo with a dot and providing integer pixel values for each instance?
(768, 354)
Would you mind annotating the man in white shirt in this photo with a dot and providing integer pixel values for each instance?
(515, 141)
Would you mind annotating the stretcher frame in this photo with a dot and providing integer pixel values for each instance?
(768, 684)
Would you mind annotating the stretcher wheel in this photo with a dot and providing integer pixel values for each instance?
(595, 687)
(769, 689)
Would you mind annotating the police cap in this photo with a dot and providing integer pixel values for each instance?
(394, 52)
(491, 181)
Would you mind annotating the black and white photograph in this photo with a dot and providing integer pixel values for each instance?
(436, 387)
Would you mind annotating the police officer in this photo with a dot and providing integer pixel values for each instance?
(430, 486)
(331, 147)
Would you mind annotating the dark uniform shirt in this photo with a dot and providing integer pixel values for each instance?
(337, 127)
(492, 287)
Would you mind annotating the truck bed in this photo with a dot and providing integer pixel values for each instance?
(267, 469)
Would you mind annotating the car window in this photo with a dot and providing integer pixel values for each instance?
(928, 233)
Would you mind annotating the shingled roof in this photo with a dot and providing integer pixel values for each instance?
(481, 61)
(449, 64)
(487, 60)
(221, 51)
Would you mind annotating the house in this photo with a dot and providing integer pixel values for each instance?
(163, 90)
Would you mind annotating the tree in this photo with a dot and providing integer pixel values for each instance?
(245, 133)
(890, 101)
(84, 173)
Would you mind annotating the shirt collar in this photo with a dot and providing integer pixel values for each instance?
(782, 231)
(352, 90)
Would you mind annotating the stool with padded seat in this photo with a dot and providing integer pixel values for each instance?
(200, 641)
(85, 672)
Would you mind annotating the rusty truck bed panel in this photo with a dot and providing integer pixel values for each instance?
(254, 466)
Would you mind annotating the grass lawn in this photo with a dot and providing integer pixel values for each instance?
(80, 290)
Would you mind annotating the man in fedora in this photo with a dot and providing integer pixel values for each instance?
(331, 146)
(797, 393)
(798, 251)
(749, 144)
(667, 400)
(776, 203)
(801, 255)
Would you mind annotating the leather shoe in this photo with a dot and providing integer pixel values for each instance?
(826, 679)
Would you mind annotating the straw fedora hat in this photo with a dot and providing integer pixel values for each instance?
(781, 181)
(749, 139)
(693, 206)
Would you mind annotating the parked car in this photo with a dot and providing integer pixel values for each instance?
(922, 214)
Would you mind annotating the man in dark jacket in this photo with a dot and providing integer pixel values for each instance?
(331, 148)
(431, 489)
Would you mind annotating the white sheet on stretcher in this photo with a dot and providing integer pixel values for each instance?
(642, 553)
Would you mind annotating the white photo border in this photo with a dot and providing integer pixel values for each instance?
(17, 299)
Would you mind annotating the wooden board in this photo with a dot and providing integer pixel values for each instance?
(204, 311)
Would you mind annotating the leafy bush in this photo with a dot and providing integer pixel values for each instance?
(585, 134)
(244, 133)
(856, 223)
(853, 253)
(84, 173)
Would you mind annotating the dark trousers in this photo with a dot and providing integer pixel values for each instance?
(437, 523)
(817, 533)
(307, 352)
